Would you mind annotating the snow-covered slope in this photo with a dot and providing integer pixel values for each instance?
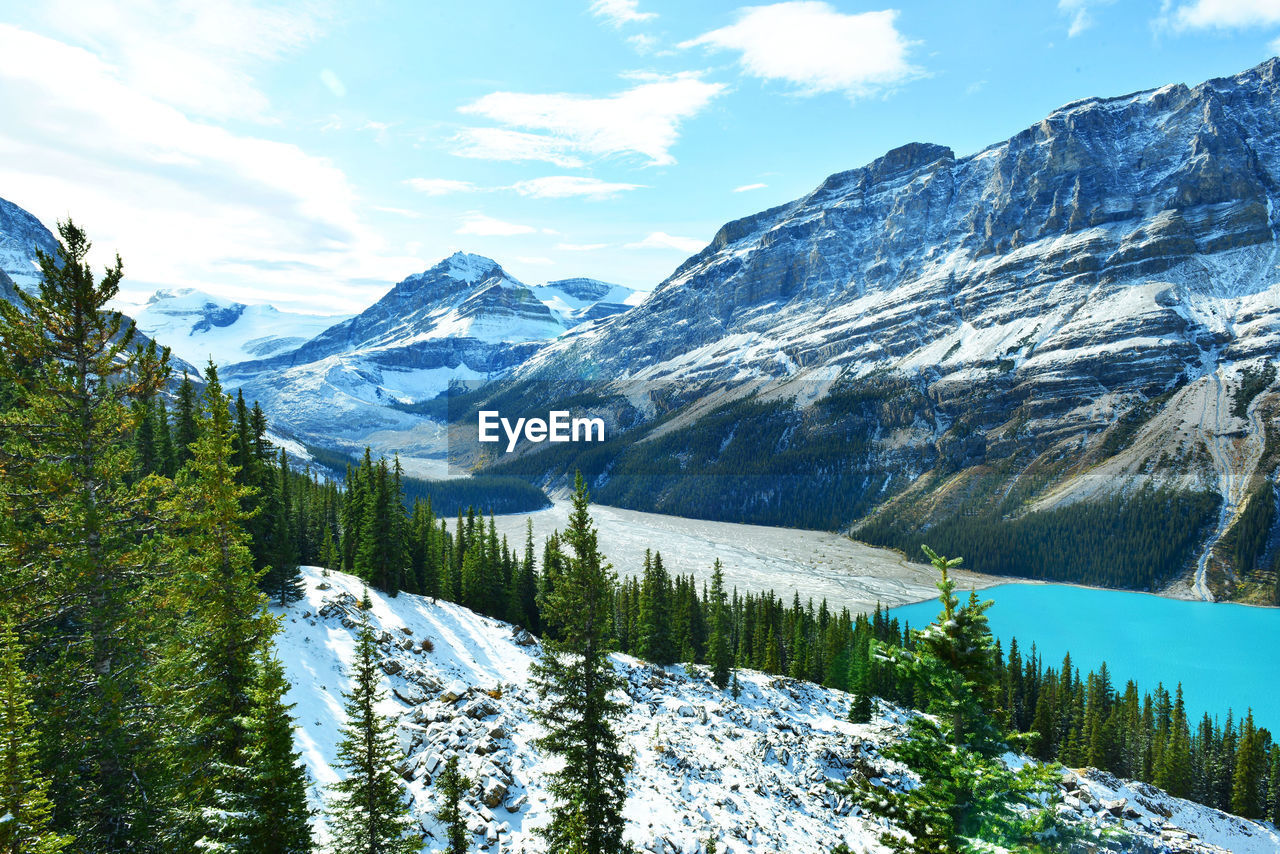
(465, 319)
(750, 772)
(198, 326)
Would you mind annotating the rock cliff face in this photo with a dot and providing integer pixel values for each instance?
(20, 235)
(1078, 303)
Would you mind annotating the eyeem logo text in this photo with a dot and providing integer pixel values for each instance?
(556, 427)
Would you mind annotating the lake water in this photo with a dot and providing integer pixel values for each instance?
(1225, 656)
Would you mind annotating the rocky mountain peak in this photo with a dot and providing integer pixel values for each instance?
(21, 234)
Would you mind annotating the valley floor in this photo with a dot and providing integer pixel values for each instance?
(756, 558)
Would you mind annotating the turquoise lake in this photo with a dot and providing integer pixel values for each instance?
(1224, 655)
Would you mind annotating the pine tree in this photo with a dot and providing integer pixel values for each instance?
(574, 677)
(274, 805)
(718, 645)
(369, 814)
(1250, 771)
(282, 581)
(214, 644)
(452, 784)
(24, 800)
(184, 426)
(73, 559)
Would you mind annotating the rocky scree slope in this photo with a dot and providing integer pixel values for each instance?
(750, 772)
(1061, 316)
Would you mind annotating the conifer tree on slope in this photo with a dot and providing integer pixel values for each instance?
(574, 677)
(718, 645)
(77, 577)
(452, 784)
(24, 802)
(270, 815)
(225, 623)
(369, 814)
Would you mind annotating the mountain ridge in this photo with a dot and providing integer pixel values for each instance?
(937, 335)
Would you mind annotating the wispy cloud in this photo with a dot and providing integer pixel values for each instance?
(662, 240)
(643, 121)
(332, 83)
(816, 48)
(144, 177)
(440, 186)
(483, 225)
(1081, 14)
(1220, 14)
(198, 56)
(567, 186)
(620, 12)
(745, 188)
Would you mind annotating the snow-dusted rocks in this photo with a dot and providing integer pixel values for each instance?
(751, 771)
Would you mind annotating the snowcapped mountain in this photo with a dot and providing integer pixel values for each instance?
(21, 234)
(1082, 303)
(198, 326)
(751, 772)
(363, 380)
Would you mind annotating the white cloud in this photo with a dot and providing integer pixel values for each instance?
(1081, 12)
(580, 247)
(486, 226)
(332, 83)
(643, 43)
(197, 55)
(748, 187)
(567, 186)
(619, 12)
(499, 144)
(440, 186)
(1221, 14)
(1274, 47)
(662, 240)
(642, 121)
(817, 48)
(186, 203)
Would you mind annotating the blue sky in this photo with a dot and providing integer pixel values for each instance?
(312, 154)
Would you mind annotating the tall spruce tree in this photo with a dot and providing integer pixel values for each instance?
(213, 645)
(574, 678)
(718, 645)
(75, 568)
(369, 814)
(274, 818)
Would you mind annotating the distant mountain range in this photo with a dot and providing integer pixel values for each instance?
(930, 347)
